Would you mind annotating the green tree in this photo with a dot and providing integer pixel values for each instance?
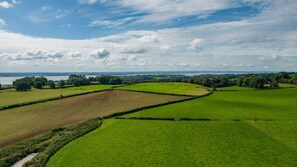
(78, 79)
(115, 80)
(76, 82)
(38, 85)
(103, 79)
(43, 80)
(281, 76)
(22, 86)
(61, 83)
(51, 84)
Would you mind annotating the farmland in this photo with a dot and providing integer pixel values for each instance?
(25, 122)
(245, 127)
(243, 104)
(11, 96)
(168, 143)
(170, 88)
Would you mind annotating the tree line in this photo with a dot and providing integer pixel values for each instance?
(249, 80)
(26, 84)
(244, 80)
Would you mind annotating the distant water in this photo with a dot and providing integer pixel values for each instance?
(8, 78)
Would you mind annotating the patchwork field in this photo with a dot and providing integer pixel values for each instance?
(181, 143)
(247, 127)
(243, 104)
(11, 96)
(170, 88)
(25, 122)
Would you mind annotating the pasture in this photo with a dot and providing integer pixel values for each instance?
(11, 96)
(169, 88)
(233, 103)
(247, 127)
(176, 143)
(22, 123)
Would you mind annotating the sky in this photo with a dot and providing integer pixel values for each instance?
(148, 35)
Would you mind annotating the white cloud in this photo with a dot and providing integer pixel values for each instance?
(150, 39)
(5, 4)
(74, 54)
(272, 57)
(110, 23)
(250, 43)
(66, 25)
(164, 10)
(133, 50)
(45, 8)
(197, 44)
(99, 53)
(2, 23)
(29, 55)
(89, 2)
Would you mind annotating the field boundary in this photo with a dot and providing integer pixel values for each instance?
(189, 119)
(172, 94)
(48, 99)
(116, 114)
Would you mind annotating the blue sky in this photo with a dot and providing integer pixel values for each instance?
(141, 35)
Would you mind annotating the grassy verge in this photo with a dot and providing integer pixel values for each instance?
(46, 145)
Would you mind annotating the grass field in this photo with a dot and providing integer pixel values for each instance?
(265, 135)
(25, 122)
(170, 88)
(183, 143)
(245, 104)
(11, 96)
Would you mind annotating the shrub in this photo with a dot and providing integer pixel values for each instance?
(61, 83)
(22, 86)
(38, 85)
(51, 84)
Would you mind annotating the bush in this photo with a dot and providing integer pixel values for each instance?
(38, 85)
(61, 83)
(43, 80)
(51, 84)
(22, 86)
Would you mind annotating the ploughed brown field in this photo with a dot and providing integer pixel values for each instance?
(26, 122)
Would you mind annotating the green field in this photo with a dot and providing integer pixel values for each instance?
(244, 104)
(169, 143)
(248, 127)
(170, 88)
(22, 123)
(11, 96)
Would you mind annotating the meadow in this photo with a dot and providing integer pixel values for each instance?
(176, 143)
(233, 103)
(246, 127)
(11, 96)
(169, 88)
(25, 122)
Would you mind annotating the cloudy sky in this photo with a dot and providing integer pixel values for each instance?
(148, 35)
